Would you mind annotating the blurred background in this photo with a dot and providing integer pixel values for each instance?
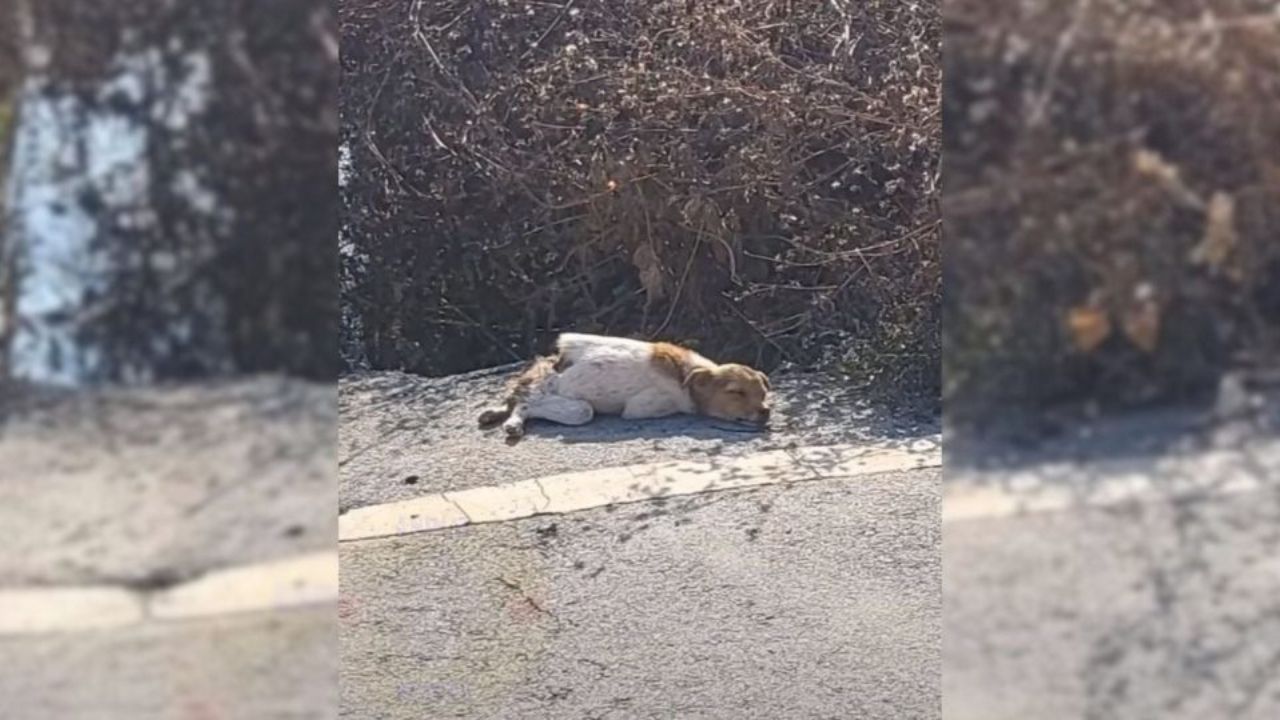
(167, 342)
(747, 178)
(1112, 199)
(166, 196)
(1111, 319)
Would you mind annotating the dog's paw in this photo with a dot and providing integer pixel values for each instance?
(514, 429)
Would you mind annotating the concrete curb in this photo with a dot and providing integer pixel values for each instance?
(292, 582)
(570, 492)
(26, 611)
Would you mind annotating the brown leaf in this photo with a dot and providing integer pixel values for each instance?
(1219, 233)
(1142, 324)
(1165, 174)
(650, 271)
(1089, 327)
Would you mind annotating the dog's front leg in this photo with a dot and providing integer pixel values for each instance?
(562, 410)
(651, 403)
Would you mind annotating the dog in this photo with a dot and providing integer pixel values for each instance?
(594, 374)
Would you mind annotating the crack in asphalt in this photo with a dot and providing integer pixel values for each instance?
(545, 496)
(524, 594)
(453, 502)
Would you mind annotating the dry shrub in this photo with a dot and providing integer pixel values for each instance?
(757, 178)
(1112, 198)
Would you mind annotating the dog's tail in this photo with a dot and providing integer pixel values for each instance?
(519, 387)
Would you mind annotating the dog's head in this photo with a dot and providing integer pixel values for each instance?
(731, 392)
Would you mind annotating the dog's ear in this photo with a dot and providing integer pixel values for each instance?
(764, 379)
(698, 377)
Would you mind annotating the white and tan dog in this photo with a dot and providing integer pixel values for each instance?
(594, 374)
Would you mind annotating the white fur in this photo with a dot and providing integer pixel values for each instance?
(617, 376)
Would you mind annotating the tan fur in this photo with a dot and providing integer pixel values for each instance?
(541, 369)
(519, 387)
(671, 360)
(729, 391)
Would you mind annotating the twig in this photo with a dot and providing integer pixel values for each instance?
(512, 585)
(421, 36)
(1041, 104)
(483, 330)
(564, 11)
(671, 309)
(757, 330)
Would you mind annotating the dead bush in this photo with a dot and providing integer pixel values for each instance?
(756, 178)
(1112, 199)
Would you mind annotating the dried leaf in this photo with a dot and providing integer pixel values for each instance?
(1089, 327)
(650, 271)
(693, 211)
(1152, 165)
(1219, 233)
(1142, 324)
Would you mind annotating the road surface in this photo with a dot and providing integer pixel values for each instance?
(169, 553)
(1128, 569)
(813, 593)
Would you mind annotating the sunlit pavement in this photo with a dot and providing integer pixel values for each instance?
(814, 594)
(1122, 585)
(815, 599)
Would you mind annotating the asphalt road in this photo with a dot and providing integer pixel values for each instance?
(1163, 605)
(404, 435)
(817, 599)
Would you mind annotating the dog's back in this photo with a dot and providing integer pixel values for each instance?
(619, 352)
(608, 372)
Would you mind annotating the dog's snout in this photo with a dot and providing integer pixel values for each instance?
(764, 414)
